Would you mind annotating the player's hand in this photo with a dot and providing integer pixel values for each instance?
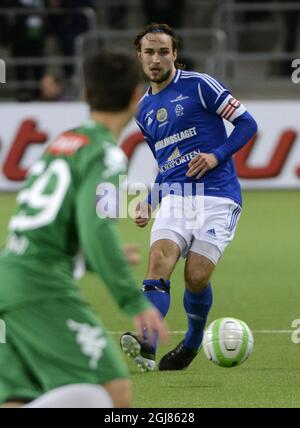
(142, 214)
(201, 164)
(152, 321)
(132, 253)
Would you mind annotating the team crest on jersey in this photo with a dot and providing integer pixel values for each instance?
(68, 144)
(179, 110)
(162, 115)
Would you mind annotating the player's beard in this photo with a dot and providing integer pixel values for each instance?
(163, 78)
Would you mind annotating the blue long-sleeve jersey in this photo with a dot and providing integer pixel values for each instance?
(186, 118)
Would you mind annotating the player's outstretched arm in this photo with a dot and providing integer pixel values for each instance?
(102, 247)
(132, 253)
(151, 320)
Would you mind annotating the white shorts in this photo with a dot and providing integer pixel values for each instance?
(202, 224)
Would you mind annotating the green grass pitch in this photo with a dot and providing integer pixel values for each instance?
(258, 281)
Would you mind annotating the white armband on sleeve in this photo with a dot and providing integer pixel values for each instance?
(230, 109)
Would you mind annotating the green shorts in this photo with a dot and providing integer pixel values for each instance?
(53, 343)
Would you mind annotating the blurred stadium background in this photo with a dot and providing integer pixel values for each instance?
(239, 42)
(250, 47)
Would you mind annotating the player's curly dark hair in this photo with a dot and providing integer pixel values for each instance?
(159, 28)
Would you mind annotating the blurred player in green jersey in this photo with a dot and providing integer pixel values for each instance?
(57, 352)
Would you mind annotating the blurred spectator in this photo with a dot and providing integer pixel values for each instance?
(67, 26)
(52, 88)
(28, 39)
(165, 11)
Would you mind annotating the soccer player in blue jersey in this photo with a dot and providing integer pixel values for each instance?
(181, 116)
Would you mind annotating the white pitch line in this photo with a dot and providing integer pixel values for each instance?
(273, 331)
(253, 331)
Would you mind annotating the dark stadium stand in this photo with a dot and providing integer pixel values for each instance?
(237, 41)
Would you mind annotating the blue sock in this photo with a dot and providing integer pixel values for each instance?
(158, 292)
(197, 306)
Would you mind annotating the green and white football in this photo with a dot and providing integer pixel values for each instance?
(228, 342)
